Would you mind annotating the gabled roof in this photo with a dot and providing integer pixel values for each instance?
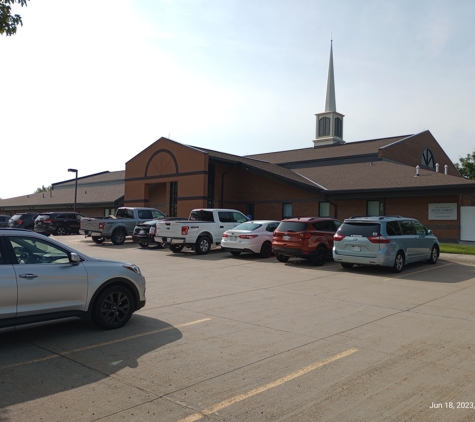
(97, 189)
(350, 149)
(269, 168)
(379, 175)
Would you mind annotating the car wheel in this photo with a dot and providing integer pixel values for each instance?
(320, 256)
(281, 258)
(113, 308)
(235, 253)
(398, 262)
(434, 255)
(60, 231)
(346, 265)
(176, 248)
(118, 237)
(143, 244)
(98, 239)
(266, 250)
(203, 245)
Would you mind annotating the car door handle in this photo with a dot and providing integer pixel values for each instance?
(28, 275)
(221, 227)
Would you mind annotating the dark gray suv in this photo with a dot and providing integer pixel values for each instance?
(390, 241)
(4, 220)
(25, 220)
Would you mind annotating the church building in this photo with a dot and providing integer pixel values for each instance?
(407, 175)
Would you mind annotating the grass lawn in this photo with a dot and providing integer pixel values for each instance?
(461, 249)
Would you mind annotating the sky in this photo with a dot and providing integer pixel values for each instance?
(89, 84)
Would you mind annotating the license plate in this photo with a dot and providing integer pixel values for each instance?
(356, 248)
(285, 237)
(142, 232)
(233, 238)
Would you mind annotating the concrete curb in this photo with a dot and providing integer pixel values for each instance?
(458, 258)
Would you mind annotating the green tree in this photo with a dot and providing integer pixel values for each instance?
(8, 21)
(43, 189)
(466, 166)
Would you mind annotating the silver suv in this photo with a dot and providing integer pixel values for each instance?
(42, 280)
(390, 241)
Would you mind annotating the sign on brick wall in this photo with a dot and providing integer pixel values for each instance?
(443, 211)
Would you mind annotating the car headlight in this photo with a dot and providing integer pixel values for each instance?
(133, 268)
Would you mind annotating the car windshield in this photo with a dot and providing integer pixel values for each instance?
(359, 229)
(247, 226)
(292, 226)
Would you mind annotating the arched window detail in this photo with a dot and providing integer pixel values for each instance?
(427, 159)
(324, 126)
(338, 127)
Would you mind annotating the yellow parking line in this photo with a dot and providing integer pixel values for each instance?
(416, 272)
(258, 390)
(106, 343)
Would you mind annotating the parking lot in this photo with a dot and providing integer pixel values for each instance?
(226, 338)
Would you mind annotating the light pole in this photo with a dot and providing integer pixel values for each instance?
(75, 187)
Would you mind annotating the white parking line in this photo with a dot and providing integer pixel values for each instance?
(258, 390)
(106, 343)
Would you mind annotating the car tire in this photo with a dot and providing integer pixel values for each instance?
(113, 308)
(203, 245)
(176, 248)
(281, 258)
(346, 265)
(398, 262)
(143, 244)
(434, 255)
(320, 256)
(235, 253)
(60, 231)
(98, 239)
(118, 237)
(266, 250)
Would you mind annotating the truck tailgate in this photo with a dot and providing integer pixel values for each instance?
(91, 224)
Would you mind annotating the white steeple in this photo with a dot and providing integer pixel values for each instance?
(330, 103)
(330, 122)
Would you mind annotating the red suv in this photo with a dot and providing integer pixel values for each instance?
(305, 237)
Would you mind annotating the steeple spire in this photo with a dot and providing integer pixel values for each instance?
(330, 103)
(329, 128)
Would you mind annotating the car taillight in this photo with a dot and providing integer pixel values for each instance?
(337, 237)
(102, 225)
(47, 221)
(184, 230)
(225, 235)
(19, 222)
(305, 235)
(378, 239)
(248, 236)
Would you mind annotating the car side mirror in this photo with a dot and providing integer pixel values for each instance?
(74, 258)
(429, 232)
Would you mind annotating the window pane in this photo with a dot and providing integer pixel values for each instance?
(34, 251)
(407, 227)
(286, 210)
(324, 210)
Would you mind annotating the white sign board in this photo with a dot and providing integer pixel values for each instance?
(443, 211)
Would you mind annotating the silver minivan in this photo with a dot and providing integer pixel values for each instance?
(390, 241)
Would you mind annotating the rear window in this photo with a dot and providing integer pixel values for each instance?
(201, 215)
(360, 229)
(247, 226)
(292, 226)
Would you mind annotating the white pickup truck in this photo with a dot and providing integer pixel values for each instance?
(204, 228)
